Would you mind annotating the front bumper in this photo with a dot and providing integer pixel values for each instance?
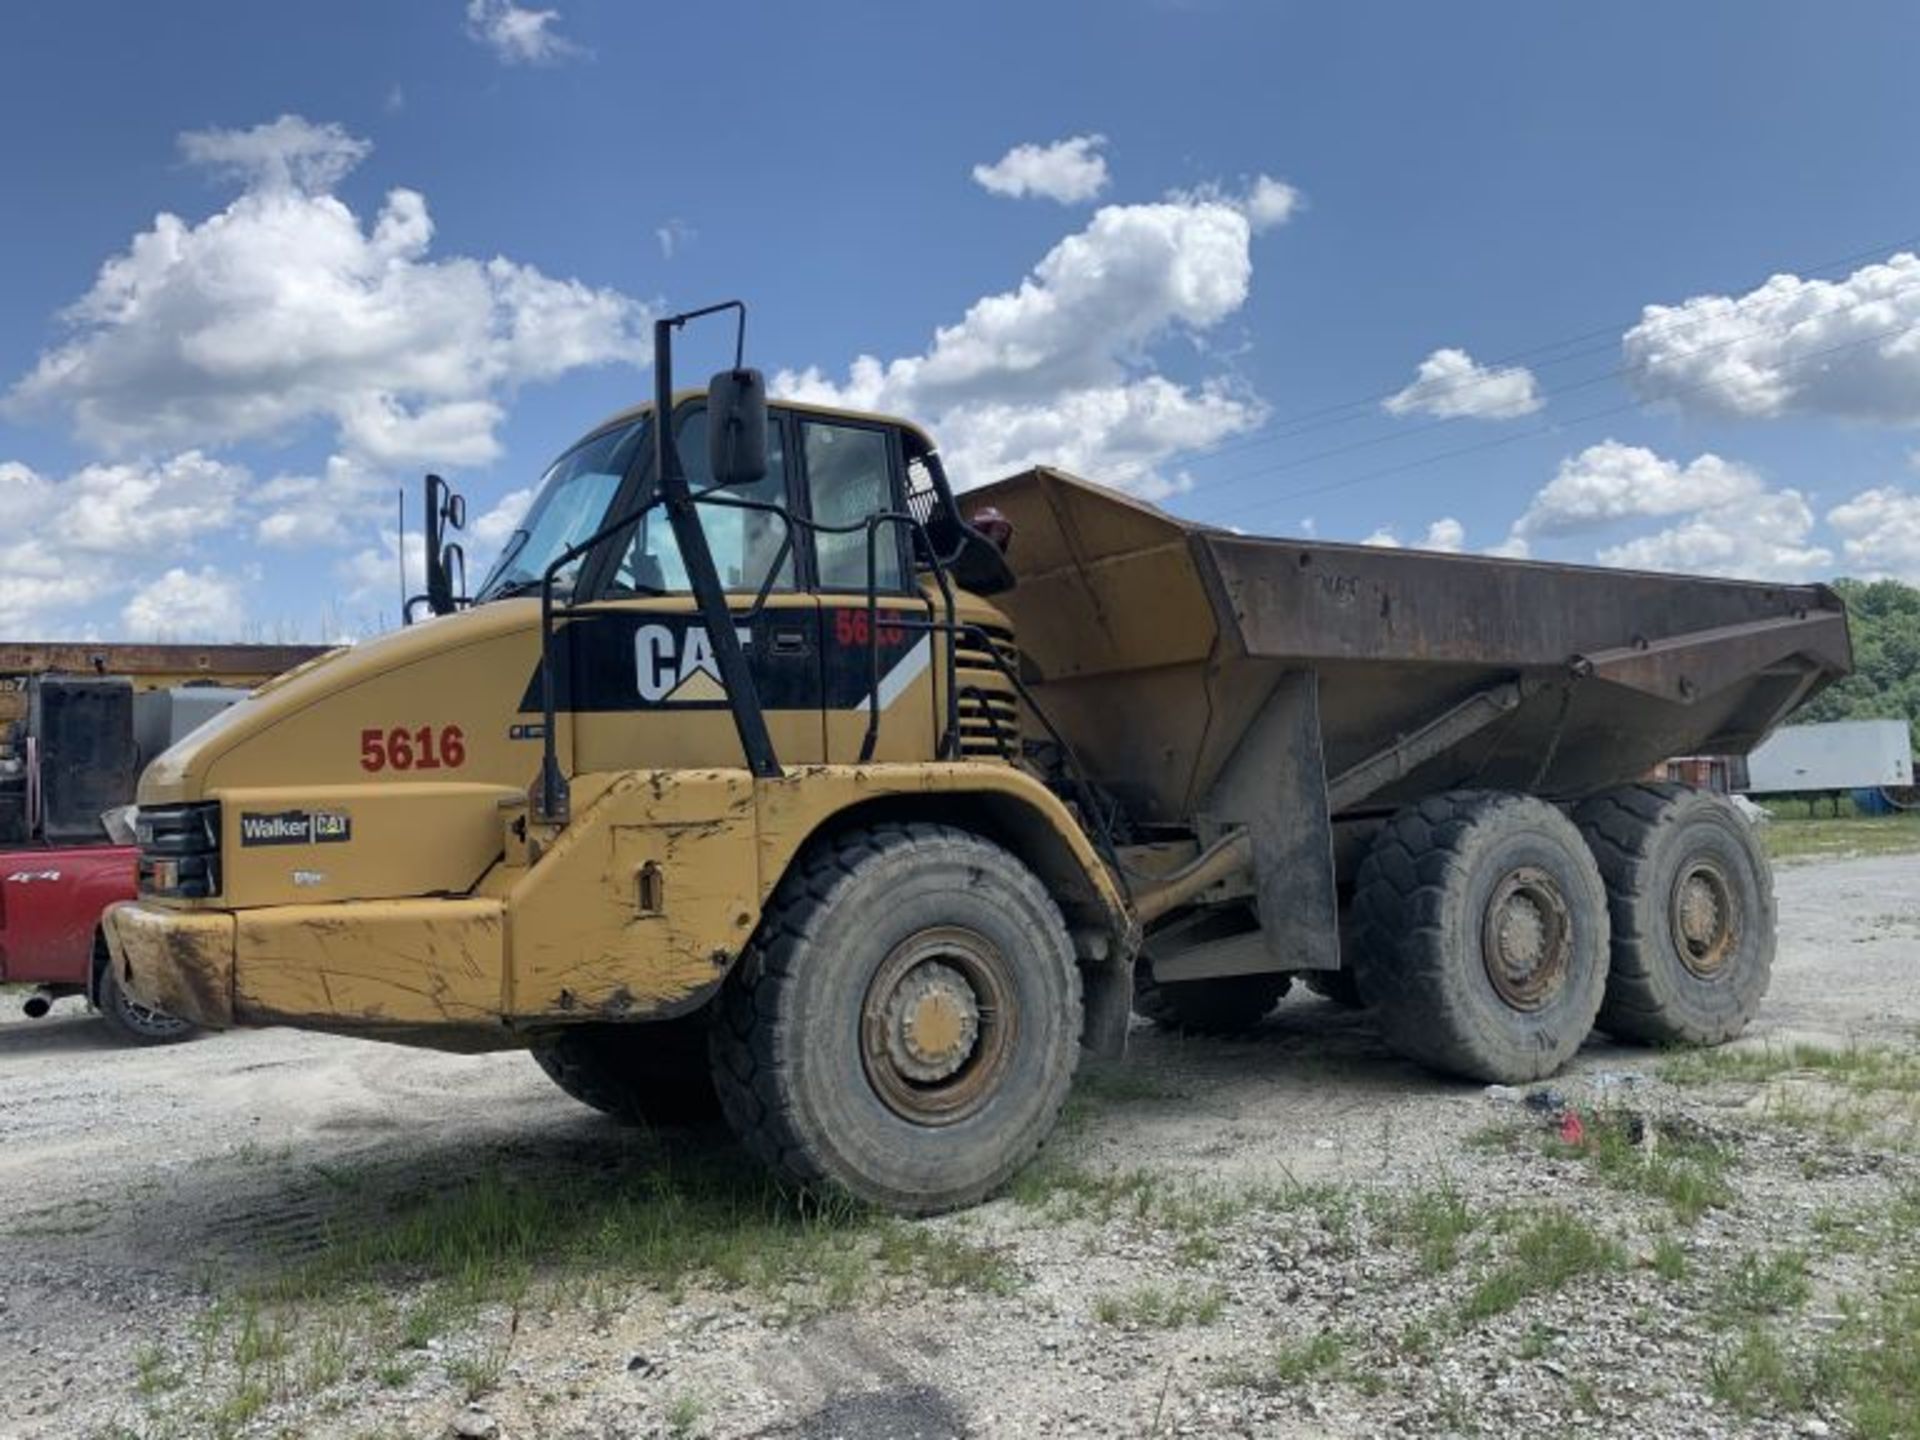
(371, 966)
(178, 961)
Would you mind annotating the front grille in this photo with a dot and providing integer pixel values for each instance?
(179, 850)
(989, 710)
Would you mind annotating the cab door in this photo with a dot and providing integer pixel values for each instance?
(645, 689)
(873, 664)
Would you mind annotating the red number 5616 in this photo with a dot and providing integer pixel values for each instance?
(421, 749)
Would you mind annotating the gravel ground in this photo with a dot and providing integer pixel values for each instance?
(1294, 1234)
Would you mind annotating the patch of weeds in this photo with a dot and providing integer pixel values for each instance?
(1764, 1287)
(1197, 1249)
(1687, 1170)
(683, 1415)
(396, 1371)
(1151, 1308)
(1755, 1374)
(1294, 1363)
(1669, 1260)
(1863, 1068)
(1433, 1222)
(1535, 1343)
(661, 1224)
(1500, 1135)
(326, 1355)
(1417, 1341)
(1799, 839)
(246, 1400)
(1123, 1085)
(946, 1261)
(154, 1372)
(436, 1312)
(478, 1372)
(1551, 1250)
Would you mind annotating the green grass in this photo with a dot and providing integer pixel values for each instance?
(683, 1415)
(1757, 1287)
(1150, 1307)
(1433, 1222)
(1863, 1068)
(1686, 1170)
(1292, 1364)
(1669, 1260)
(1549, 1252)
(1798, 839)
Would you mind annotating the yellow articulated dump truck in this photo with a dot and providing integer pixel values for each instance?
(762, 775)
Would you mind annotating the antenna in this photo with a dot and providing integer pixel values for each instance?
(400, 552)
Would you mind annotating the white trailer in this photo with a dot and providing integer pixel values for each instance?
(1839, 755)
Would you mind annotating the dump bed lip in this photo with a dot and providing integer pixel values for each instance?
(1478, 557)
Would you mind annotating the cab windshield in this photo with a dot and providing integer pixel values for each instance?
(571, 504)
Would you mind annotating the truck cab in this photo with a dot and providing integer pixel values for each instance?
(560, 817)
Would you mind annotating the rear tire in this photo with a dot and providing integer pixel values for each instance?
(1480, 935)
(130, 1021)
(1223, 1005)
(1691, 897)
(649, 1073)
(906, 1022)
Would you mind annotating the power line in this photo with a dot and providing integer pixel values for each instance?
(1348, 411)
(1213, 484)
(1514, 437)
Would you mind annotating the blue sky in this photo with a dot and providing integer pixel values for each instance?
(267, 263)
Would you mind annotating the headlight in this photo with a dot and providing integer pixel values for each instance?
(179, 850)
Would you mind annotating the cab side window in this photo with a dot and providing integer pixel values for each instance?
(745, 543)
(849, 477)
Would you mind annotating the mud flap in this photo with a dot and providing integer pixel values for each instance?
(1276, 786)
(1106, 1005)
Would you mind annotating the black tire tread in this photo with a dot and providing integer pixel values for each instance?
(1624, 827)
(1401, 957)
(663, 1081)
(109, 999)
(1224, 1005)
(745, 1038)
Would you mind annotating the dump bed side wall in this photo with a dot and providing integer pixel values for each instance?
(1153, 642)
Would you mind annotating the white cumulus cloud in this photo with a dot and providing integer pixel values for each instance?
(1764, 537)
(1069, 171)
(1729, 521)
(1446, 534)
(1060, 369)
(1842, 348)
(519, 34)
(1611, 481)
(284, 309)
(186, 605)
(1879, 533)
(1451, 384)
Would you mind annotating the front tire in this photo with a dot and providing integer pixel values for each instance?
(130, 1021)
(905, 1024)
(653, 1073)
(1480, 935)
(1691, 896)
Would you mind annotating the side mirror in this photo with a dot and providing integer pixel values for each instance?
(737, 427)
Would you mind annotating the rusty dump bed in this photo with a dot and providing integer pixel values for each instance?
(1153, 643)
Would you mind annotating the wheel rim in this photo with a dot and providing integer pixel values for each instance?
(937, 1025)
(1704, 918)
(1526, 938)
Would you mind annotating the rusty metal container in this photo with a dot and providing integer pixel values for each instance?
(1156, 645)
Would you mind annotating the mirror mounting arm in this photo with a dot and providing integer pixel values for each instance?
(742, 699)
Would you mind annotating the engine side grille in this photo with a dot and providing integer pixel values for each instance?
(989, 709)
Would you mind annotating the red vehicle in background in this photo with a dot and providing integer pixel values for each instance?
(71, 751)
(50, 904)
